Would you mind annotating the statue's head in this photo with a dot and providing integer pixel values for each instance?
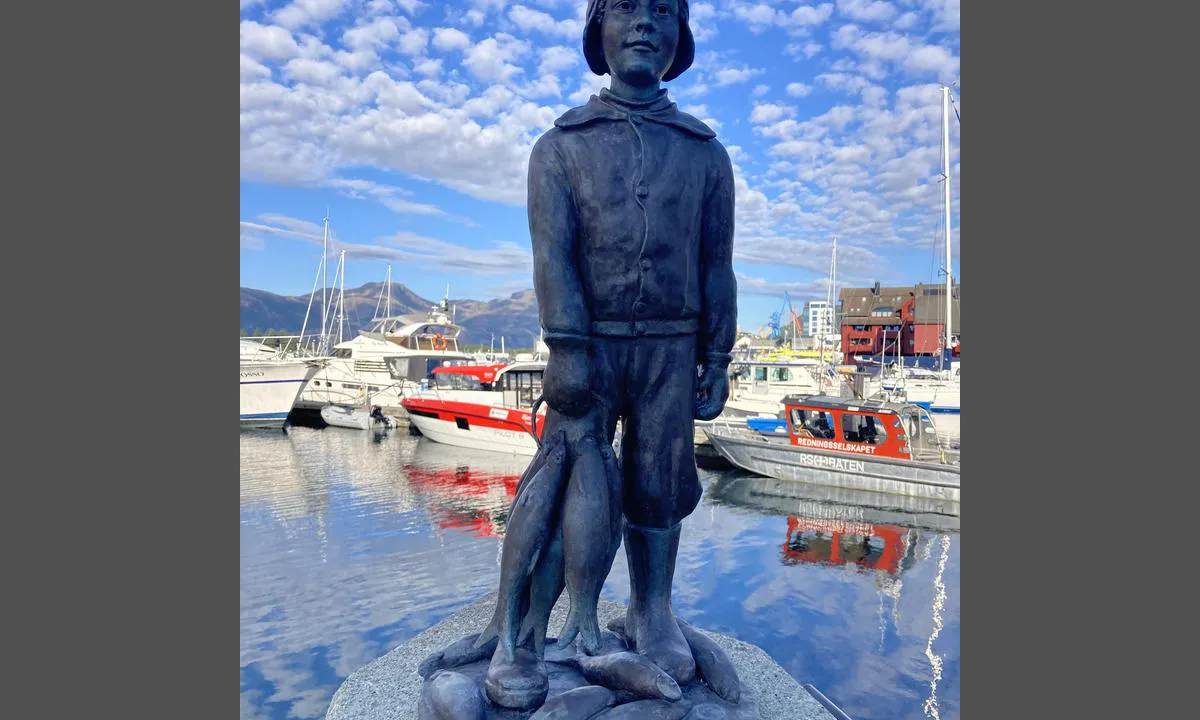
(639, 41)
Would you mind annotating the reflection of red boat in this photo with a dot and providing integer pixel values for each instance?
(470, 491)
(836, 542)
(480, 407)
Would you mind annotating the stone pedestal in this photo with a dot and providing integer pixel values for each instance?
(389, 688)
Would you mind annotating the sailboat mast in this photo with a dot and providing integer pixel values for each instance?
(946, 171)
(342, 298)
(324, 284)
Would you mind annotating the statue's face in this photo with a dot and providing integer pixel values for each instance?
(639, 39)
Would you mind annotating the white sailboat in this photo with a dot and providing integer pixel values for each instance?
(387, 361)
(936, 390)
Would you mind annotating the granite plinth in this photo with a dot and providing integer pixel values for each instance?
(389, 688)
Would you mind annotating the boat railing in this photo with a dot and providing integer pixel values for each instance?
(738, 429)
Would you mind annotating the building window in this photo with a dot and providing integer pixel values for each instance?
(760, 374)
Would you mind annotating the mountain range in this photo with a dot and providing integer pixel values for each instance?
(514, 318)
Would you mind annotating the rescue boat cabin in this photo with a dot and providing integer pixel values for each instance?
(875, 428)
(466, 377)
(521, 382)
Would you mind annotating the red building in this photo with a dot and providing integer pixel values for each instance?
(905, 321)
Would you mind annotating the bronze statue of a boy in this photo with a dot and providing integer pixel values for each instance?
(631, 206)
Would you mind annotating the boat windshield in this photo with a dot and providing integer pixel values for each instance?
(521, 388)
(812, 423)
(865, 429)
(457, 381)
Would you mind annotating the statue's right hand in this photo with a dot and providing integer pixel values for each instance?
(566, 383)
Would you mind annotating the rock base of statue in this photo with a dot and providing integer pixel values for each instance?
(392, 687)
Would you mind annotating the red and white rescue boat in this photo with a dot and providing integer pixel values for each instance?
(485, 407)
(868, 445)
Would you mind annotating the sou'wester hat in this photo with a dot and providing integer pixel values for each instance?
(593, 50)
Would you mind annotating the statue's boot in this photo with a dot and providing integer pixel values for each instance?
(649, 622)
(520, 683)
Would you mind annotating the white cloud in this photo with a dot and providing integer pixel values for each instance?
(946, 14)
(383, 94)
(866, 10)
(312, 72)
(897, 50)
(428, 67)
(589, 85)
(528, 19)
(811, 14)
(798, 89)
(751, 285)
(410, 6)
(502, 258)
(843, 82)
(373, 35)
(558, 58)
(308, 12)
(730, 76)
(758, 16)
(251, 69)
(250, 240)
(701, 21)
(414, 41)
(267, 42)
(490, 60)
(932, 59)
(446, 39)
(389, 197)
(770, 112)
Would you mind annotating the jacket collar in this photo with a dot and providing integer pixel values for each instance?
(661, 111)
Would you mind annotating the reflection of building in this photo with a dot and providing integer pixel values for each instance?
(909, 321)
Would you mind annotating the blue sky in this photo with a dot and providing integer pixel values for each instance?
(411, 121)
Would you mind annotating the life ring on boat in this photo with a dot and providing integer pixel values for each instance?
(439, 342)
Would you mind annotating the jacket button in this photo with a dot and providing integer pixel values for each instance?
(642, 190)
(639, 307)
(645, 263)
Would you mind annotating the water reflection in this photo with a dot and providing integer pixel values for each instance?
(466, 489)
(352, 543)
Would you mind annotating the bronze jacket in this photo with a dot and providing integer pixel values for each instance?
(631, 217)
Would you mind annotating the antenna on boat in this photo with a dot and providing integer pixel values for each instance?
(946, 174)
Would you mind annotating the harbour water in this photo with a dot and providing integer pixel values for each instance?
(353, 542)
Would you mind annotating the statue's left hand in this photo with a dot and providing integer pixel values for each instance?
(712, 390)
